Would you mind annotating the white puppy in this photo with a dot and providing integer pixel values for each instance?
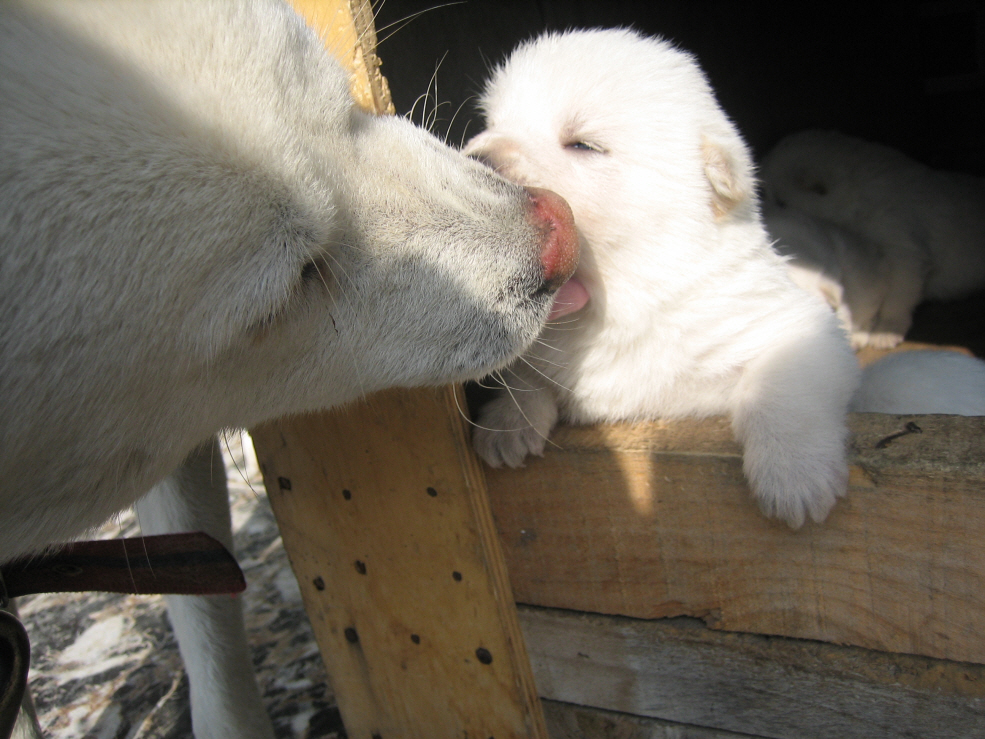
(850, 272)
(199, 230)
(689, 311)
(923, 382)
(929, 224)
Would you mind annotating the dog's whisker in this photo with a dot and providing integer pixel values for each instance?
(529, 389)
(544, 360)
(544, 375)
(402, 23)
(454, 117)
(336, 309)
(468, 420)
(529, 423)
(498, 375)
(524, 379)
(465, 131)
(432, 92)
(243, 471)
(351, 282)
(413, 108)
(544, 343)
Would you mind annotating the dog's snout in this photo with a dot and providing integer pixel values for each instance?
(559, 250)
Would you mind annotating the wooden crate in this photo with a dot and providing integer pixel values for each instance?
(655, 521)
(659, 602)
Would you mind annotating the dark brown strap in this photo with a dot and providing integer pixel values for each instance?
(185, 564)
(15, 656)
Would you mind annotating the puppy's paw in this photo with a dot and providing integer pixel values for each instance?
(876, 339)
(505, 433)
(793, 485)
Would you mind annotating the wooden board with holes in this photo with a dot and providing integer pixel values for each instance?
(656, 520)
(384, 517)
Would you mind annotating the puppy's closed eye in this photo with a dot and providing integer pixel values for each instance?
(584, 146)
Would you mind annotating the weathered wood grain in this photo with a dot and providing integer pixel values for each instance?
(678, 670)
(346, 27)
(656, 520)
(568, 721)
(384, 517)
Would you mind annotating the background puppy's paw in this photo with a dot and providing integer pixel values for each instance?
(506, 433)
(877, 339)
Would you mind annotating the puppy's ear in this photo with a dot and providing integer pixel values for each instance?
(730, 176)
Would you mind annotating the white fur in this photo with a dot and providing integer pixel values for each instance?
(198, 230)
(850, 272)
(929, 224)
(923, 382)
(691, 312)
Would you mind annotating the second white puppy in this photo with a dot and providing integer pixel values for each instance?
(850, 272)
(929, 224)
(680, 307)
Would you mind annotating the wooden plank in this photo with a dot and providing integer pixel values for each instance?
(656, 520)
(346, 27)
(567, 721)
(678, 670)
(384, 516)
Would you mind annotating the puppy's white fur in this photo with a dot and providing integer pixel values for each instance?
(199, 230)
(850, 272)
(928, 224)
(690, 313)
(923, 382)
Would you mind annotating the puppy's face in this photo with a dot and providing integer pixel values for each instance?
(624, 127)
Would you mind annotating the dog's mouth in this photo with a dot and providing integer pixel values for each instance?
(570, 297)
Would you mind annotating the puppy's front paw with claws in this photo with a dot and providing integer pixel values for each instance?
(794, 484)
(508, 431)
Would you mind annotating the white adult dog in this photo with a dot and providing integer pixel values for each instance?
(689, 312)
(928, 225)
(199, 230)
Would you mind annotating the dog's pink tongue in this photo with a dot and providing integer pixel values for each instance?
(571, 296)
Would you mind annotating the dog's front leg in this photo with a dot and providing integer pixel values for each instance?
(210, 629)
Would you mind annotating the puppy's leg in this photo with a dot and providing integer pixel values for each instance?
(906, 288)
(210, 630)
(789, 414)
(518, 420)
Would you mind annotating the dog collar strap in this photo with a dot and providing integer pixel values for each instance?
(175, 564)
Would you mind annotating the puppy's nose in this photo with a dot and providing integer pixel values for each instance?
(559, 251)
